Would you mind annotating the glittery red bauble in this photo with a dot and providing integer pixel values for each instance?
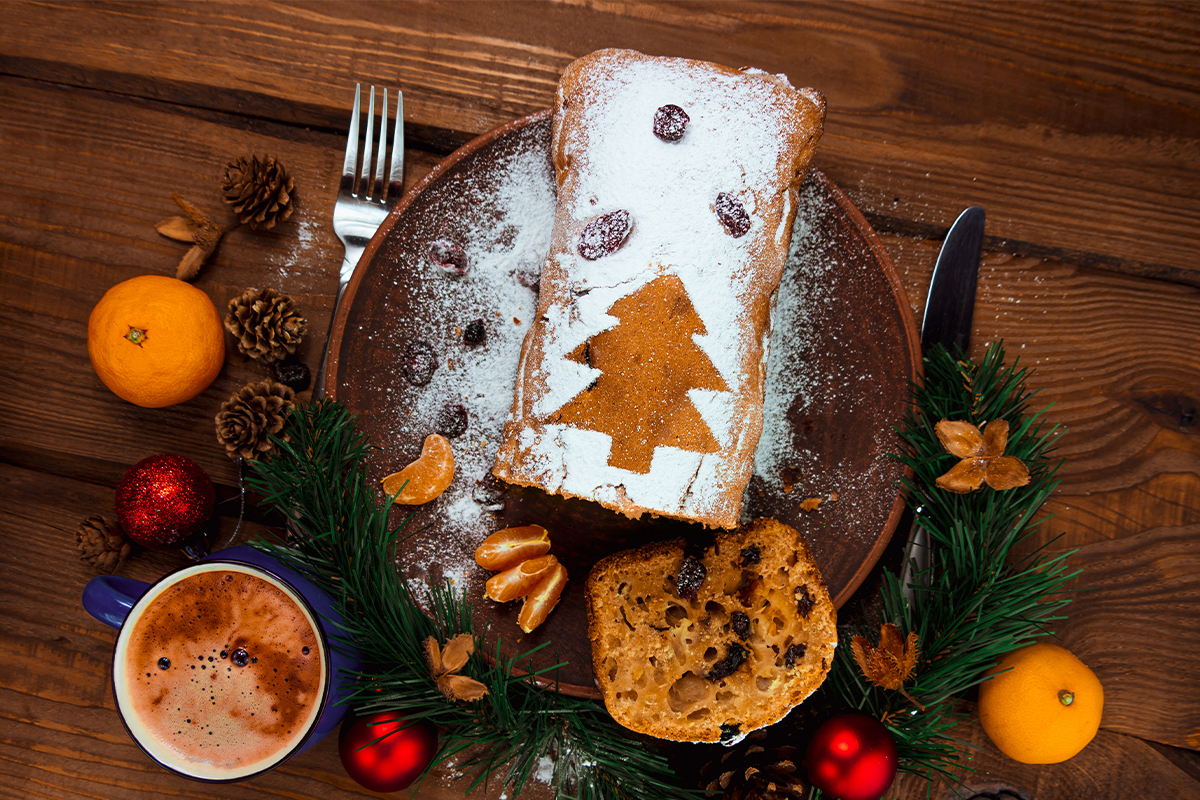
(163, 500)
(393, 762)
(852, 756)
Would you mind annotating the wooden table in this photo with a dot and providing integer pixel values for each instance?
(1076, 126)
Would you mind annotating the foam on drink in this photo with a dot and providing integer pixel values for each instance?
(221, 672)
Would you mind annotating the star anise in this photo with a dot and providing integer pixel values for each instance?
(890, 664)
(444, 664)
(982, 454)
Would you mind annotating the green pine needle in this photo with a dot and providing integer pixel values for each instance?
(339, 534)
(974, 604)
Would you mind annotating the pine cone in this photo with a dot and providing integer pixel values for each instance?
(248, 417)
(259, 191)
(267, 324)
(755, 770)
(102, 545)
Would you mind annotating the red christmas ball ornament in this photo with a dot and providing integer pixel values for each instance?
(852, 756)
(163, 500)
(393, 762)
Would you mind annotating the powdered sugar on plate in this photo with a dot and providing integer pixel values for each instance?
(505, 244)
(501, 215)
(790, 464)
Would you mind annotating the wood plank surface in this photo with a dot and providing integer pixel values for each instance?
(1133, 622)
(64, 240)
(1078, 126)
(1112, 767)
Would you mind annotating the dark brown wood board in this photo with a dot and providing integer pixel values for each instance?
(1076, 125)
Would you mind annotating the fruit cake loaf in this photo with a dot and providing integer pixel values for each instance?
(708, 647)
(640, 381)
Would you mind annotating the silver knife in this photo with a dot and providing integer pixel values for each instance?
(949, 309)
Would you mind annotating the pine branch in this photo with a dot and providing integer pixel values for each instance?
(974, 603)
(340, 535)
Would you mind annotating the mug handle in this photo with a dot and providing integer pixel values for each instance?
(109, 598)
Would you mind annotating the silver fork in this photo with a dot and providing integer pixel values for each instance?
(363, 202)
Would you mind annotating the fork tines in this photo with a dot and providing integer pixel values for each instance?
(360, 184)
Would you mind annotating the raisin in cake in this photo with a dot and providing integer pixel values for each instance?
(708, 647)
(640, 383)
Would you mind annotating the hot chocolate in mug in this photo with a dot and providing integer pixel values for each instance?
(223, 670)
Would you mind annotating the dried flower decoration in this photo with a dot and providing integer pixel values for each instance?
(983, 460)
(443, 664)
(198, 228)
(890, 664)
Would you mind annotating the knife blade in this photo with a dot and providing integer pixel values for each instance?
(949, 311)
(950, 304)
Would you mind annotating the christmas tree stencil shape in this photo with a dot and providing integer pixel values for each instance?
(648, 362)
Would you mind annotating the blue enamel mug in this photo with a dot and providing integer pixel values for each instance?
(224, 669)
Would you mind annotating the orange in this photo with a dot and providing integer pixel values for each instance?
(425, 478)
(156, 341)
(1045, 708)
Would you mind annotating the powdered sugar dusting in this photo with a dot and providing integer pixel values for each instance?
(506, 232)
(298, 258)
(791, 464)
(800, 289)
(505, 245)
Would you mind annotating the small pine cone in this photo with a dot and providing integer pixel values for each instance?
(266, 324)
(249, 417)
(259, 191)
(755, 770)
(102, 544)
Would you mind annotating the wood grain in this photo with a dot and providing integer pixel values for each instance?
(1113, 363)
(1112, 767)
(64, 241)
(1076, 125)
(1133, 622)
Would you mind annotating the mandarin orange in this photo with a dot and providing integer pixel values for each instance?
(156, 341)
(1042, 706)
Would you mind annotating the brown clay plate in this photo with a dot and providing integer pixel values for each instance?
(844, 349)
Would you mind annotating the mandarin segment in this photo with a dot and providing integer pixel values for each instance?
(525, 570)
(519, 580)
(427, 477)
(507, 548)
(542, 600)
